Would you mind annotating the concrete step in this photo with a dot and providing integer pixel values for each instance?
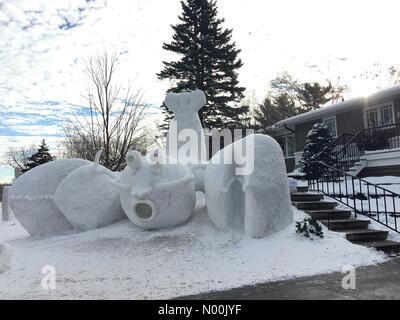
(302, 189)
(346, 224)
(329, 214)
(365, 235)
(382, 245)
(315, 205)
(306, 196)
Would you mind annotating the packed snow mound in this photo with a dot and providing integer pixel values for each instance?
(31, 197)
(89, 199)
(5, 257)
(257, 203)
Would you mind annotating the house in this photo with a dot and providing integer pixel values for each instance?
(367, 132)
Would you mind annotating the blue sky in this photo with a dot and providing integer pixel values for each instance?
(43, 44)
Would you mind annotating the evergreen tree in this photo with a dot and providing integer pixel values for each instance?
(313, 96)
(318, 139)
(273, 109)
(42, 156)
(209, 62)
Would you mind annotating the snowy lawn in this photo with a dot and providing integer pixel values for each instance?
(125, 262)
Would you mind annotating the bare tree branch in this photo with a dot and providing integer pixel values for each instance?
(113, 120)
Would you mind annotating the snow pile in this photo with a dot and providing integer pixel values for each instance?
(124, 261)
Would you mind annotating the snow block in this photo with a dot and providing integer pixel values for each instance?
(257, 203)
(89, 199)
(31, 197)
(5, 209)
(185, 138)
(156, 196)
(5, 257)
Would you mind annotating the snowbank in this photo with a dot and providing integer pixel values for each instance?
(124, 261)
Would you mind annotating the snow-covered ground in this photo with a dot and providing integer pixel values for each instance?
(124, 262)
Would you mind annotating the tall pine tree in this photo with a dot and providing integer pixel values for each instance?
(209, 62)
(42, 156)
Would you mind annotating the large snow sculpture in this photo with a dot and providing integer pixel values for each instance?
(185, 139)
(257, 203)
(88, 197)
(31, 197)
(246, 192)
(156, 195)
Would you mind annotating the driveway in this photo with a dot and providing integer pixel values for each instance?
(373, 282)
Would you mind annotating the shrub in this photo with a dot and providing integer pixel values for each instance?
(318, 140)
(309, 227)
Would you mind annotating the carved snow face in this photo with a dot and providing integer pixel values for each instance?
(159, 195)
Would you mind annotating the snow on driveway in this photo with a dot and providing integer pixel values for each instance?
(124, 262)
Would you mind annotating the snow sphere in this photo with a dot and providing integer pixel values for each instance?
(31, 197)
(158, 195)
(89, 199)
(257, 202)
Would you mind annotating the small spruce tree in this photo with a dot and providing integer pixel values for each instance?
(318, 139)
(42, 156)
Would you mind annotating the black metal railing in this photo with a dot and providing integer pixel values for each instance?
(371, 139)
(363, 197)
(336, 145)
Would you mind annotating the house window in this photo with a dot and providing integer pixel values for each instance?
(372, 117)
(330, 123)
(379, 115)
(387, 115)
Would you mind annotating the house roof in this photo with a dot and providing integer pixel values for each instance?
(333, 109)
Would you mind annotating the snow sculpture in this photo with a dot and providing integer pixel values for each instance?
(159, 190)
(5, 209)
(257, 203)
(155, 195)
(5, 257)
(185, 137)
(88, 198)
(66, 194)
(31, 197)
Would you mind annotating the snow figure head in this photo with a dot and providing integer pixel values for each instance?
(159, 195)
(185, 103)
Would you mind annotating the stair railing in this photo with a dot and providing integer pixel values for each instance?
(371, 139)
(363, 197)
(336, 145)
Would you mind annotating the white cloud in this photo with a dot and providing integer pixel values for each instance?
(43, 44)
